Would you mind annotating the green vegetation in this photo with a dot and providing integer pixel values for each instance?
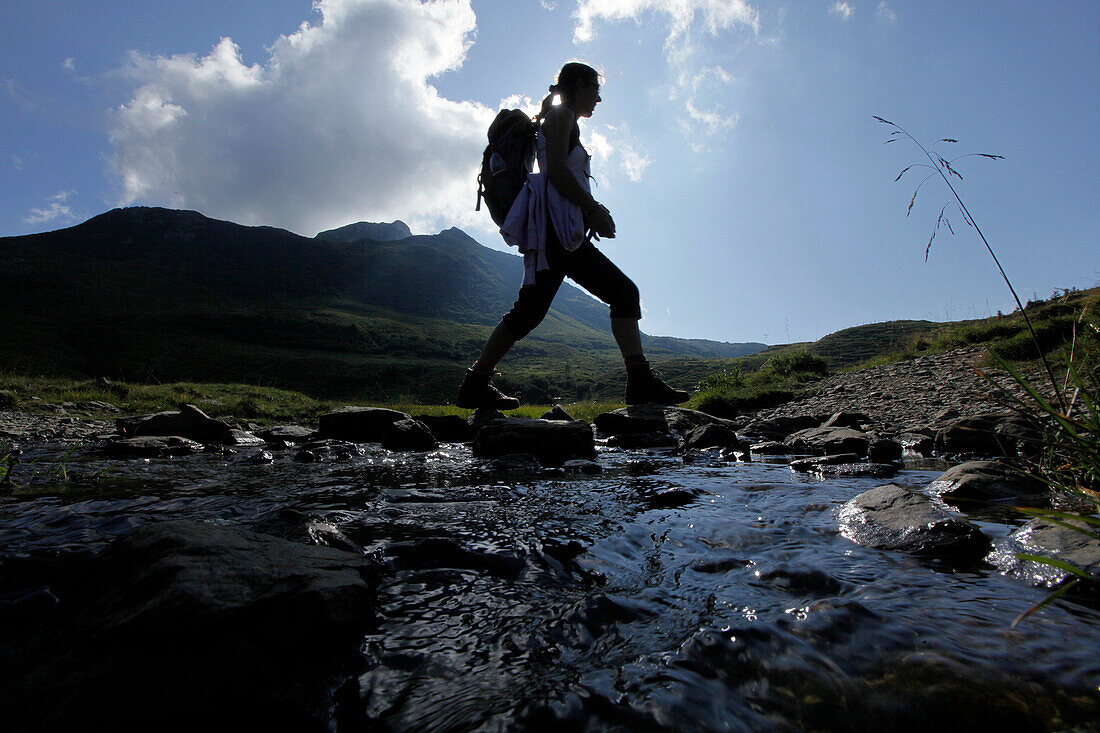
(778, 380)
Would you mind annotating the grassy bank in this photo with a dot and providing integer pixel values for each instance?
(241, 402)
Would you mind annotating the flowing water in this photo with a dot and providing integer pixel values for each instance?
(577, 601)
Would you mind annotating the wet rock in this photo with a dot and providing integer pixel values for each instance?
(1079, 547)
(448, 428)
(152, 446)
(919, 443)
(883, 450)
(409, 435)
(632, 441)
(800, 578)
(440, 553)
(359, 424)
(770, 448)
(893, 518)
(723, 565)
(188, 422)
(803, 465)
(287, 433)
(557, 412)
(549, 440)
(669, 498)
(824, 441)
(711, 436)
(580, 465)
(315, 450)
(855, 420)
(988, 435)
(857, 470)
(653, 419)
(985, 481)
(180, 623)
(243, 439)
(261, 458)
(515, 463)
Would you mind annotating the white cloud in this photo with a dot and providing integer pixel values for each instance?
(697, 86)
(843, 9)
(17, 162)
(548, 5)
(56, 210)
(69, 64)
(886, 13)
(339, 124)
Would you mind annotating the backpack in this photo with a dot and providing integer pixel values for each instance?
(507, 161)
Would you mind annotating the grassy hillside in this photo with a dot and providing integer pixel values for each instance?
(156, 295)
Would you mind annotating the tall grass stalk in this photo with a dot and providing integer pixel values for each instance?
(942, 167)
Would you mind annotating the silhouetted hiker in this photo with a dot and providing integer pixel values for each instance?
(548, 222)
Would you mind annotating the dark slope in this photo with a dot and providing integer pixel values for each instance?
(146, 293)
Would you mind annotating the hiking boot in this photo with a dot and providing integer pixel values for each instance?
(643, 385)
(477, 392)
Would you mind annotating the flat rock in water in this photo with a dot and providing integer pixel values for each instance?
(409, 435)
(985, 481)
(482, 417)
(857, 470)
(515, 463)
(631, 441)
(770, 448)
(918, 443)
(826, 441)
(180, 623)
(653, 419)
(243, 439)
(287, 433)
(893, 518)
(1044, 538)
(548, 440)
(359, 424)
(188, 422)
(882, 450)
(152, 446)
(808, 464)
(777, 428)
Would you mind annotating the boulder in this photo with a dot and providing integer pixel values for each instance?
(180, 623)
(287, 433)
(824, 441)
(710, 436)
(1078, 547)
(548, 440)
(919, 443)
(152, 446)
(243, 439)
(188, 422)
(409, 435)
(986, 481)
(894, 518)
(557, 412)
(1007, 434)
(481, 417)
(448, 428)
(882, 450)
(359, 424)
(653, 419)
(515, 463)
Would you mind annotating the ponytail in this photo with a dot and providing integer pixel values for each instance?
(548, 102)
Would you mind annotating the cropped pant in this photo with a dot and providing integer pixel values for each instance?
(586, 266)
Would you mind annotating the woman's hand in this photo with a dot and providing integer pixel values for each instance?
(601, 221)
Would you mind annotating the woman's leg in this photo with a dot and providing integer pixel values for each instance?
(500, 341)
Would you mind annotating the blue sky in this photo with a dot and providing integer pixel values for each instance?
(735, 145)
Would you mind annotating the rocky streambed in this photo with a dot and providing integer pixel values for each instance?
(826, 566)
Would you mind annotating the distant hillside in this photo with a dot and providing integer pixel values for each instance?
(148, 294)
(367, 230)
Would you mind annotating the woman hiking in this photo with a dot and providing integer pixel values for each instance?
(547, 223)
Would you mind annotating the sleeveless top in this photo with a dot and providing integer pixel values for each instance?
(539, 205)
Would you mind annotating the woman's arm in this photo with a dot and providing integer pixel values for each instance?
(557, 128)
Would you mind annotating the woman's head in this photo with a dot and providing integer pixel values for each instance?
(578, 85)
